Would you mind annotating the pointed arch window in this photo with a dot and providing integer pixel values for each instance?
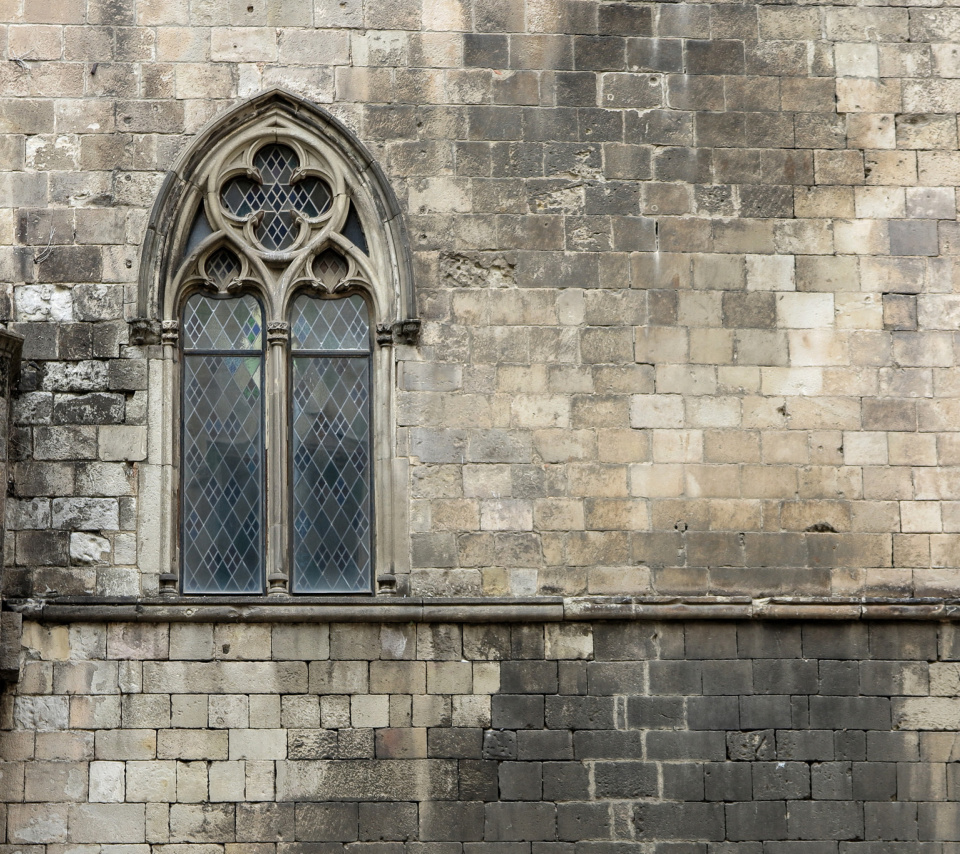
(281, 284)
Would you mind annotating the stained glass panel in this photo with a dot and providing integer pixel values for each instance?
(276, 198)
(331, 474)
(332, 324)
(222, 459)
(222, 324)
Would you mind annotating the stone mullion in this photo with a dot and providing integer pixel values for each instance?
(169, 470)
(277, 489)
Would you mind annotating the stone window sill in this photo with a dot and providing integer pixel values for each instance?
(256, 609)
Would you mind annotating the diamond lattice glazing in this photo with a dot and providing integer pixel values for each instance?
(337, 324)
(222, 267)
(331, 475)
(222, 505)
(330, 267)
(276, 198)
(222, 324)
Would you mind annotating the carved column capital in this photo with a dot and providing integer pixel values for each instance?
(399, 332)
(170, 332)
(278, 332)
(144, 331)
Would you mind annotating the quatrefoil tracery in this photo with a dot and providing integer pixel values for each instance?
(278, 216)
(277, 195)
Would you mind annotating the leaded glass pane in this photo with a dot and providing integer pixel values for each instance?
(353, 230)
(222, 459)
(330, 267)
(222, 267)
(276, 198)
(222, 324)
(331, 474)
(199, 231)
(332, 324)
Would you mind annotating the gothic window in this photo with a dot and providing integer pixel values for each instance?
(280, 293)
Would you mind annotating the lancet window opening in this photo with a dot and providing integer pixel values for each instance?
(275, 311)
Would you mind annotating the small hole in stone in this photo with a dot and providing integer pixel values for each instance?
(226, 648)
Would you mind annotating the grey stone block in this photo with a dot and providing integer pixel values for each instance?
(312, 744)
(623, 780)
(766, 712)
(579, 712)
(534, 744)
(566, 781)
(528, 677)
(839, 678)
(508, 822)
(792, 676)
(713, 713)
(611, 678)
(682, 781)
(913, 237)
(455, 742)
(727, 677)
(517, 711)
(824, 820)
(675, 677)
(814, 745)
(831, 781)
(578, 821)
(678, 821)
(850, 713)
(673, 746)
(499, 745)
(874, 781)
(710, 640)
(727, 781)
(904, 641)
(655, 712)
(760, 821)
(608, 744)
(850, 745)
(890, 821)
(751, 746)
(388, 822)
(477, 780)
(521, 781)
(774, 781)
(265, 822)
(835, 641)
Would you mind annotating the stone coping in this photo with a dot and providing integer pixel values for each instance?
(478, 610)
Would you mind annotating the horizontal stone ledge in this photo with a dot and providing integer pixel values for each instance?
(479, 610)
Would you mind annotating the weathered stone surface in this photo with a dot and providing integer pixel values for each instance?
(380, 780)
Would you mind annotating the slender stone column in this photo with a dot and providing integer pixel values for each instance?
(11, 346)
(278, 575)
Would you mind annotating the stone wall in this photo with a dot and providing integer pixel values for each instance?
(686, 273)
(513, 739)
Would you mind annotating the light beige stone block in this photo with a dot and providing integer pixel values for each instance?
(568, 641)
(258, 744)
(227, 781)
(122, 443)
(243, 44)
(151, 782)
(305, 642)
(471, 710)
(920, 517)
(370, 710)
(192, 782)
